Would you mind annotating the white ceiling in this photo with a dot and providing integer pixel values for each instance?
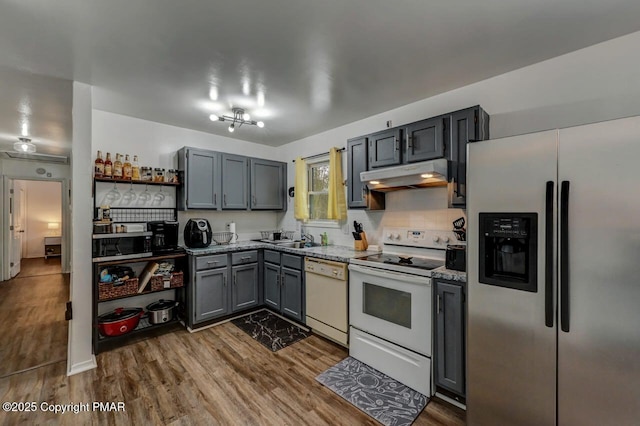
(317, 64)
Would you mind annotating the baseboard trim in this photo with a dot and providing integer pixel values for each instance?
(451, 401)
(83, 366)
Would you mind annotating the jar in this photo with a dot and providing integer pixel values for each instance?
(146, 174)
(171, 176)
(158, 174)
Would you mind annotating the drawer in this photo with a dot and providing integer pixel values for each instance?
(210, 262)
(52, 240)
(244, 257)
(272, 256)
(291, 261)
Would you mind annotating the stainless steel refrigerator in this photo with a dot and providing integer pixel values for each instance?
(554, 277)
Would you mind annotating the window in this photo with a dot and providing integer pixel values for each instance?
(318, 184)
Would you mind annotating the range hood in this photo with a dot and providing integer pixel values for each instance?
(407, 176)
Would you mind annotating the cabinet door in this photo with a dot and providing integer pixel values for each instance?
(202, 179)
(267, 184)
(244, 289)
(272, 285)
(235, 182)
(424, 140)
(463, 128)
(384, 148)
(210, 295)
(292, 293)
(356, 163)
(450, 337)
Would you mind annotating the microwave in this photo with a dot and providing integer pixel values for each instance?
(121, 246)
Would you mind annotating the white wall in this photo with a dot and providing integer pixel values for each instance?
(156, 145)
(44, 205)
(80, 357)
(601, 82)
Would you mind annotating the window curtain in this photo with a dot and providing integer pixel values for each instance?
(300, 203)
(337, 209)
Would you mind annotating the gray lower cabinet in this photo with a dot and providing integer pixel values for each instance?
(210, 295)
(284, 284)
(244, 290)
(268, 184)
(450, 336)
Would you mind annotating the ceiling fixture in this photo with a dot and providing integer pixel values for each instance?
(25, 145)
(239, 118)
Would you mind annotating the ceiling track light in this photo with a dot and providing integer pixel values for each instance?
(239, 118)
(25, 145)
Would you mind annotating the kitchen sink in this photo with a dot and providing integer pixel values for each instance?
(288, 243)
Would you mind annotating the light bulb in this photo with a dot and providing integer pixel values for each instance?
(246, 116)
(426, 175)
(213, 117)
(24, 147)
(375, 182)
(231, 128)
(260, 124)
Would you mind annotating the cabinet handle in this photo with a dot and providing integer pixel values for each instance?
(211, 262)
(409, 142)
(397, 143)
(224, 280)
(438, 309)
(245, 258)
(215, 198)
(254, 199)
(224, 199)
(282, 280)
(235, 280)
(278, 279)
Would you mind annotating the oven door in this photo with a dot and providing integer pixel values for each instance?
(391, 305)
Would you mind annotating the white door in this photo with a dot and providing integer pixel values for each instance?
(16, 227)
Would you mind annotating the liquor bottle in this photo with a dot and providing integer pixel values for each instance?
(126, 168)
(108, 167)
(98, 170)
(117, 167)
(135, 169)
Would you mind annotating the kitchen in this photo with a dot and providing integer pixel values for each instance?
(515, 101)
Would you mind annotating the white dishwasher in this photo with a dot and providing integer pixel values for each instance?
(326, 302)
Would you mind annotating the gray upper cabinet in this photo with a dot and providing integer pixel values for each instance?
(201, 175)
(450, 336)
(220, 181)
(235, 182)
(466, 126)
(268, 180)
(357, 163)
(384, 148)
(425, 140)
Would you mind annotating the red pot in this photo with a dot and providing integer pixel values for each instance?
(120, 321)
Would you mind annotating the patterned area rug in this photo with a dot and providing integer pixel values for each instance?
(377, 395)
(270, 330)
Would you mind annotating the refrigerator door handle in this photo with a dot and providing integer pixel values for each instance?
(564, 256)
(548, 256)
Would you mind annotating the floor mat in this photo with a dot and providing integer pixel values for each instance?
(379, 396)
(270, 330)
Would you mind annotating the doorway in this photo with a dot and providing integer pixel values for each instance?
(33, 300)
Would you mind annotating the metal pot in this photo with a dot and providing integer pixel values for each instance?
(120, 321)
(161, 311)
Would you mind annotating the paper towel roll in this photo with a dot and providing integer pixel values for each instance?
(232, 229)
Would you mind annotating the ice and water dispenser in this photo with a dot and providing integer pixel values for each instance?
(508, 250)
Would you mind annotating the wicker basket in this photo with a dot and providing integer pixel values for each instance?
(107, 291)
(157, 281)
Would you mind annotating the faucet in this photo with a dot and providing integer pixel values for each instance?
(307, 237)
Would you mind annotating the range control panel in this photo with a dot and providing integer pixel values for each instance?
(424, 238)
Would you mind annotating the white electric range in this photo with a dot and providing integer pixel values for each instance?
(390, 313)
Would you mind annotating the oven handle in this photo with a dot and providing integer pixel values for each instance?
(413, 279)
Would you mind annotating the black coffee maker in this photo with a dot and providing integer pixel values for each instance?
(164, 236)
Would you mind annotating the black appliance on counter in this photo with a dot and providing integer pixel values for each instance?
(197, 233)
(456, 257)
(164, 236)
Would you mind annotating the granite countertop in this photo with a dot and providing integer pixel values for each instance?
(335, 253)
(449, 274)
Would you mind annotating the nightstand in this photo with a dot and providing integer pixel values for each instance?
(52, 246)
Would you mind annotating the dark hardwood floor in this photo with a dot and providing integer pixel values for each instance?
(33, 330)
(219, 376)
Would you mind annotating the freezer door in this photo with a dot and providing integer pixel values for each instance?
(599, 357)
(511, 357)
